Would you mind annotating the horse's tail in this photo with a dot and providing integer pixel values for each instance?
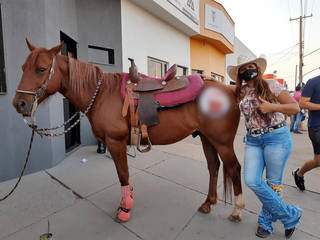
(227, 185)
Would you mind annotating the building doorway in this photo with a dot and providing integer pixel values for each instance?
(72, 138)
(3, 86)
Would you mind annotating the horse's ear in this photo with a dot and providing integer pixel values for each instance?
(55, 50)
(30, 45)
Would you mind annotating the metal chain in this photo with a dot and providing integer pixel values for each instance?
(59, 126)
(46, 131)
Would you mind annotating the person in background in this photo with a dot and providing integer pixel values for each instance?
(296, 120)
(310, 100)
(264, 105)
(304, 116)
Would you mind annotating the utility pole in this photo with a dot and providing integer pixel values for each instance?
(301, 41)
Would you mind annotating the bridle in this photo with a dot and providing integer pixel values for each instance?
(37, 94)
(49, 131)
(40, 92)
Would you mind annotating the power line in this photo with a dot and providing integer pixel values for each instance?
(283, 57)
(312, 52)
(284, 50)
(280, 61)
(311, 71)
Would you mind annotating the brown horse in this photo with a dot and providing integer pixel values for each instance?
(77, 81)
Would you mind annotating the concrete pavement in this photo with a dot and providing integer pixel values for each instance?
(79, 198)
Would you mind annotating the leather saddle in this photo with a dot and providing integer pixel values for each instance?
(140, 100)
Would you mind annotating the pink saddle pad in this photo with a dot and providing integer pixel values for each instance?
(170, 99)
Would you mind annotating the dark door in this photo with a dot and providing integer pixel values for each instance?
(3, 87)
(72, 138)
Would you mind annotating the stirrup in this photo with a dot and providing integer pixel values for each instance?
(147, 148)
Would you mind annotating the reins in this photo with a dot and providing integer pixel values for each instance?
(23, 169)
(48, 131)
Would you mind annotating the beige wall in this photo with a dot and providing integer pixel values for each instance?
(214, 37)
(204, 56)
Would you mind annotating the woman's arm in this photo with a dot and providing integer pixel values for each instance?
(287, 105)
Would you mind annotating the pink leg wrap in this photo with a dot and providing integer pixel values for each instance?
(126, 203)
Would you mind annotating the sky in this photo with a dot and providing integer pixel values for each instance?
(265, 27)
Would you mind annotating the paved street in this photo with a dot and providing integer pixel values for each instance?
(79, 198)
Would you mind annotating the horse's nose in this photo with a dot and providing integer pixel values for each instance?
(21, 106)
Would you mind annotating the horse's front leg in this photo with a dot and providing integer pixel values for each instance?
(118, 151)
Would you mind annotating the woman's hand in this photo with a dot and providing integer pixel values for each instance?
(265, 106)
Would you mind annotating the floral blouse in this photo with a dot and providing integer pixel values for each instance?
(249, 108)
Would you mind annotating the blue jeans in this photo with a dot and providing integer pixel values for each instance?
(270, 151)
(295, 124)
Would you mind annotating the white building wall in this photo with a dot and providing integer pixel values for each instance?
(170, 11)
(144, 35)
(241, 51)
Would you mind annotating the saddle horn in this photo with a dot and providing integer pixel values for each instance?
(133, 72)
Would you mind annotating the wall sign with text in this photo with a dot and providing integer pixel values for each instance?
(217, 21)
(190, 8)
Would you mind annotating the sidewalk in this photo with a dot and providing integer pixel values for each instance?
(79, 198)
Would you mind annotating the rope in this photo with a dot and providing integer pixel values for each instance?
(23, 170)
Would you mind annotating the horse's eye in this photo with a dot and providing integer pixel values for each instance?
(40, 70)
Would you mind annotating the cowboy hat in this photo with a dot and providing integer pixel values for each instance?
(261, 62)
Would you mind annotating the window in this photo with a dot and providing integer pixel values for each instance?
(101, 55)
(3, 86)
(181, 70)
(196, 71)
(156, 67)
(217, 77)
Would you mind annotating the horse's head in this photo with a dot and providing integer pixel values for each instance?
(41, 77)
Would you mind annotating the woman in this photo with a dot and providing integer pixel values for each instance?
(264, 105)
(297, 118)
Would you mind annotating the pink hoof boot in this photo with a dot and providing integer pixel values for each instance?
(126, 204)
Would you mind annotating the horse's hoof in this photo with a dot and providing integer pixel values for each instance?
(118, 220)
(205, 208)
(234, 218)
(123, 216)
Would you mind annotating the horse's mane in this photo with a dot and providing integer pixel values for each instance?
(85, 76)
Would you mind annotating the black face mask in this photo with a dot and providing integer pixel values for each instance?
(248, 74)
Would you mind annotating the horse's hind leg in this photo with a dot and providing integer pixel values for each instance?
(118, 151)
(213, 167)
(233, 171)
